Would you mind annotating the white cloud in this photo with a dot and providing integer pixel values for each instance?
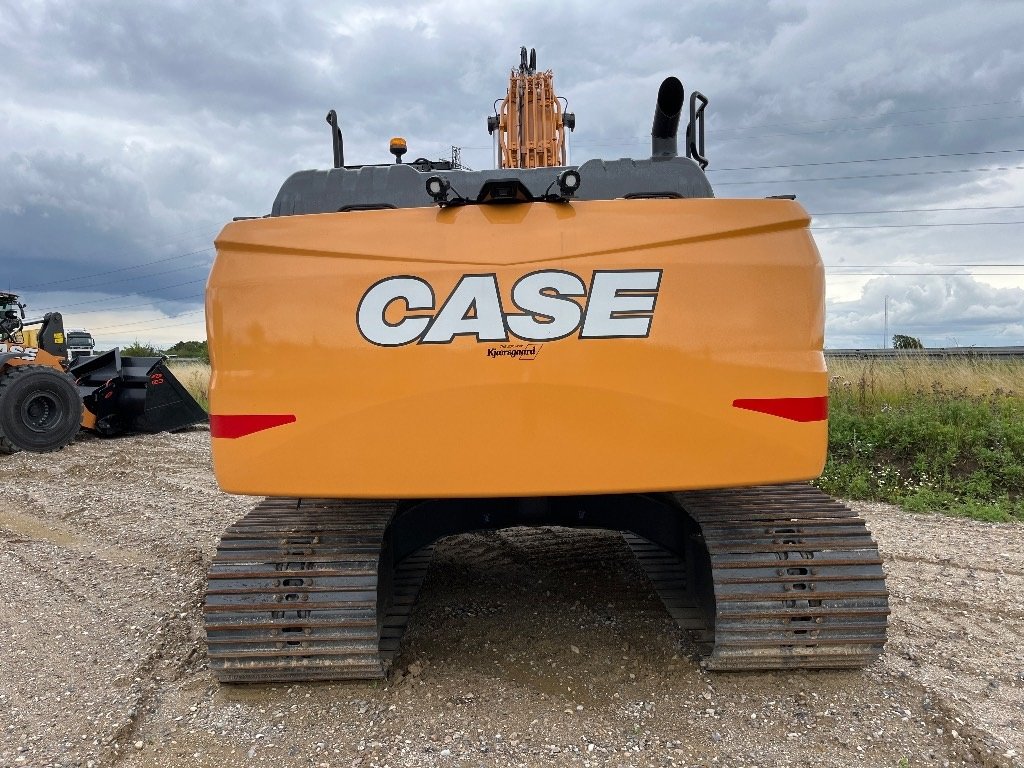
(940, 310)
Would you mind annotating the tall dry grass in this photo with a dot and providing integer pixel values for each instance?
(887, 377)
(195, 377)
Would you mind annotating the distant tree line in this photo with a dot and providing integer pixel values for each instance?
(899, 341)
(194, 349)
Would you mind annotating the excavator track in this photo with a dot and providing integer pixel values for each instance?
(773, 577)
(304, 589)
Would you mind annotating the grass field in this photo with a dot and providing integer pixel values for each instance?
(930, 435)
(879, 376)
(196, 379)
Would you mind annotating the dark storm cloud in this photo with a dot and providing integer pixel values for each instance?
(131, 132)
(243, 59)
(66, 218)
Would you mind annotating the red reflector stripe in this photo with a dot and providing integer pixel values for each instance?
(240, 425)
(792, 408)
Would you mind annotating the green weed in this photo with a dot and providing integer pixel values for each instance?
(927, 448)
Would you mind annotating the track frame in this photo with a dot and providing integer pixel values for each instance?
(773, 577)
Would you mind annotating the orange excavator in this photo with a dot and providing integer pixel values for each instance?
(601, 345)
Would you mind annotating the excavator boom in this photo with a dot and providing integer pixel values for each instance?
(530, 123)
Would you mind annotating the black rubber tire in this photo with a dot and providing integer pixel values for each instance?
(40, 409)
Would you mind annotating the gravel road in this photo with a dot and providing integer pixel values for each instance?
(527, 647)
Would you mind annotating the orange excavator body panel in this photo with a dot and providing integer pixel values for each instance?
(704, 372)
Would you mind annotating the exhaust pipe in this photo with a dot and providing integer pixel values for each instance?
(666, 118)
(336, 139)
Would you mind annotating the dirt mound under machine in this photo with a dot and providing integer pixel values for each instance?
(598, 345)
(45, 400)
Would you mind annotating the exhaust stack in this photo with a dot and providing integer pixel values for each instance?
(666, 118)
(337, 140)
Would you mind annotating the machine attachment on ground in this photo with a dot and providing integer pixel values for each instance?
(133, 394)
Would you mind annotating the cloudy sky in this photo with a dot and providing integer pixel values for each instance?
(131, 132)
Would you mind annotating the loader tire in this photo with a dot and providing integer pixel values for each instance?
(40, 409)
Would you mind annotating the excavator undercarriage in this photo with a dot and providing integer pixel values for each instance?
(773, 577)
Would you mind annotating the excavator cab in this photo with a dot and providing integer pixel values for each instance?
(12, 312)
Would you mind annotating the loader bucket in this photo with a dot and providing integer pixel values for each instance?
(134, 394)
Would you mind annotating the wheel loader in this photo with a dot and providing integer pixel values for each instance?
(602, 345)
(45, 399)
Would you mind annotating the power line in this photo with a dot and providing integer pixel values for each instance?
(931, 274)
(910, 226)
(161, 327)
(875, 175)
(917, 266)
(119, 269)
(62, 307)
(151, 320)
(615, 141)
(874, 127)
(868, 160)
(135, 306)
(924, 210)
(623, 140)
(142, 277)
(632, 140)
(123, 269)
(875, 115)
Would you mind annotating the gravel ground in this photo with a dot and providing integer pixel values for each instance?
(527, 647)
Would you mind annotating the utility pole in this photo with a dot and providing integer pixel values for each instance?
(885, 330)
(457, 159)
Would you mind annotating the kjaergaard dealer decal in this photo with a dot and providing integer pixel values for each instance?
(619, 305)
(515, 351)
